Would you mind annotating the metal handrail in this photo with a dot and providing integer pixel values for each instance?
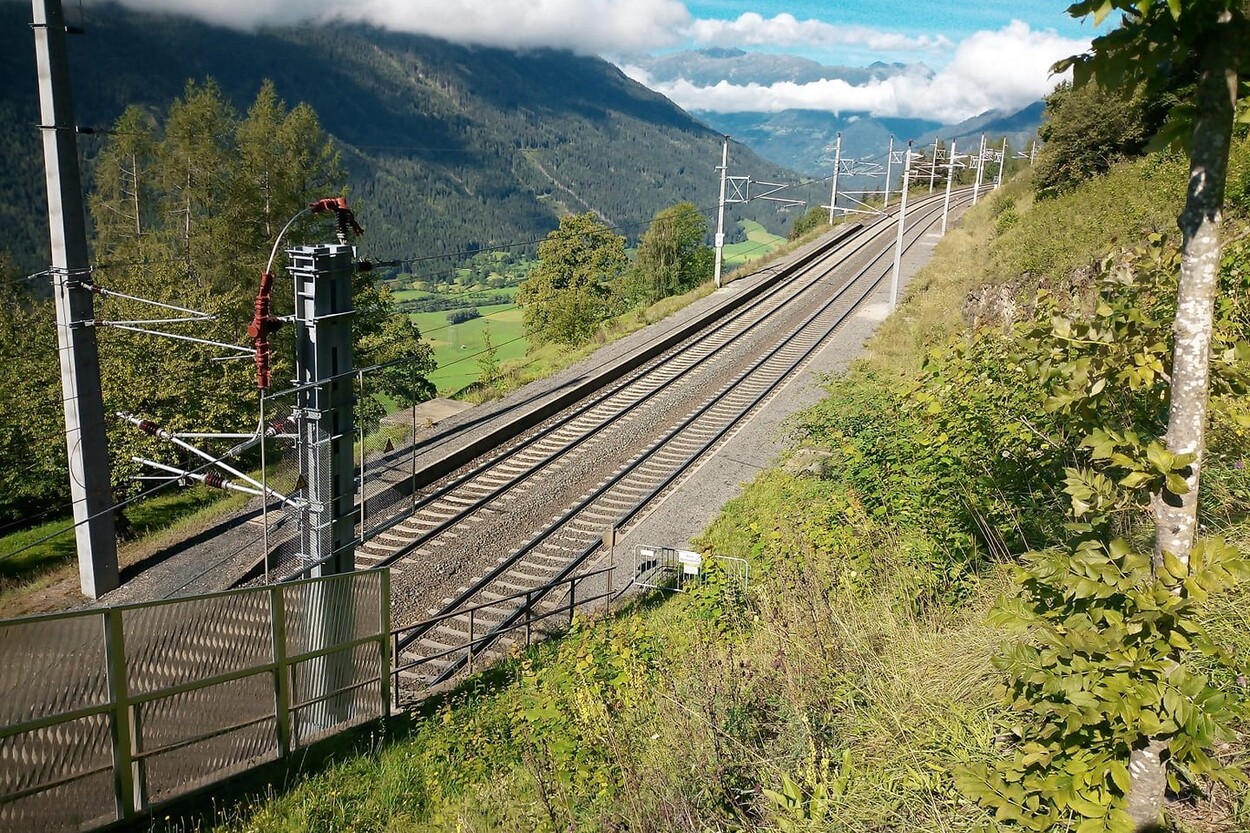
(531, 596)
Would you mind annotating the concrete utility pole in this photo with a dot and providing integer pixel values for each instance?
(950, 179)
(85, 439)
(1002, 161)
(976, 191)
(720, 210)
(837, 165)
(889, 159)
(898, 243)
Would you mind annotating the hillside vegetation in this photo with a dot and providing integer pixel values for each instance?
(860, 683)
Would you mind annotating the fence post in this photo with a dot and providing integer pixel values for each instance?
(281, 672)
(126, 791)
(385, 643)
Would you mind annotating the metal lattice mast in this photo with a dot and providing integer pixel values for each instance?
(837, 164)
(325, 379)
(720, 211)
(889, 160)
(85, 439)
(976, 190)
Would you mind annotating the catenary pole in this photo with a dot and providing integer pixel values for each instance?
(889, 160)
(1002, 162)
(898, 243)
(85, 439)
(950, 179)
(720, 210)
(976, 190)
(837, 165)
(933, 166)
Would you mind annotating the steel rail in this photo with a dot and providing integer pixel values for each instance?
(661, 364)
(570, 516)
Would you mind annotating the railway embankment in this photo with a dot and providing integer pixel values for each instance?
(853, 685)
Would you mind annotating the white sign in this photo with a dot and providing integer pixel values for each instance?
(690, 562)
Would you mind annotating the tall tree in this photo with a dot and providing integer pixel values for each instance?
(1087, 130)
(566, 295)
(1157, 41)
(31, 443)
(186, 212)
(671, 255)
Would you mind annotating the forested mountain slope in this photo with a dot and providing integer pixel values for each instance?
(447, 147)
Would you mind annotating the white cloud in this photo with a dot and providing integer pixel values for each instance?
(751, 29)
(1007, 68)
(585, 26)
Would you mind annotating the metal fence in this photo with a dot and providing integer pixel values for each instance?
(106, 713)
(538, 613)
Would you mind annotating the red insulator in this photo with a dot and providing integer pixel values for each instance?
(215, 480)
(263, 323)
(345, 216)
(148, 427)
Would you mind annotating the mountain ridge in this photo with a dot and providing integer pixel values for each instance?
(448, 148)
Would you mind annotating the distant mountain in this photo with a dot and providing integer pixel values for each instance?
(708, 67)
(1019, 127)
(447, 147)
(804, 139)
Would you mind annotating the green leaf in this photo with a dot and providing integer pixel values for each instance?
(1101, 12)
(1119, 774)
(1174, 566)
(1088, 809)
(1176, 484)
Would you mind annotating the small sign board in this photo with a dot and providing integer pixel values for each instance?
(690, 562)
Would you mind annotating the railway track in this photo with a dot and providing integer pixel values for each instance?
(599, 464)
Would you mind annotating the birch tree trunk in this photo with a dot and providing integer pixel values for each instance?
(1176, 516)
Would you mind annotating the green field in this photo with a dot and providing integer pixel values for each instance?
(470, 299)
(457, 346)
(759, 242)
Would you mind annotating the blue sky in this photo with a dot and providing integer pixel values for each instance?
(956, 20)
(963, 57)
(950, 19)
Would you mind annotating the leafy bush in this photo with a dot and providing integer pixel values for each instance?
(459, 316)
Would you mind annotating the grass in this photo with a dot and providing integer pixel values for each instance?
(759, 242)
(457, 347)
(156, 522)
